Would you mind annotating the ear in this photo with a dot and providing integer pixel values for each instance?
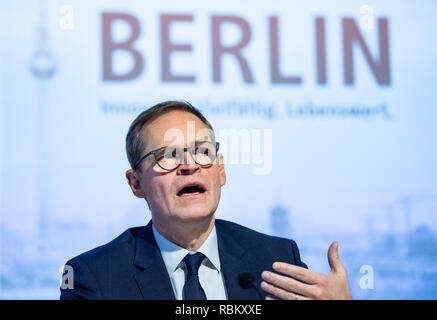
(133, 179)
(221, 164)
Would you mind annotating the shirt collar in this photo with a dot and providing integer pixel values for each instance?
(173, 254)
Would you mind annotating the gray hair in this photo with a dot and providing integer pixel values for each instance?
(134, 139)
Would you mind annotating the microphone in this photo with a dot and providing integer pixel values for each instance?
(247, 281)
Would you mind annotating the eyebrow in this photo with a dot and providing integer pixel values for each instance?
(168, 145)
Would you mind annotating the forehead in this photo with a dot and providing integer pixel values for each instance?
(181, 127)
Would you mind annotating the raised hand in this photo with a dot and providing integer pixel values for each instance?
(312, 285)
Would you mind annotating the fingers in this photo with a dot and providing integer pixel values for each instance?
(284, 283)
(279, 293)
(334, 258)
(296, 272)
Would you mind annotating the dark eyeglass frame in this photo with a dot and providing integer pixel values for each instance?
(189, 149)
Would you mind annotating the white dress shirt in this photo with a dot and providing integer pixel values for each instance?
(210, 275)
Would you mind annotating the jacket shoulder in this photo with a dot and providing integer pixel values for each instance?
(97, 272)
(262, 244)
(119, 244)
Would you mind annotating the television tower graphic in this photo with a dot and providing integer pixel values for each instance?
(43, 68)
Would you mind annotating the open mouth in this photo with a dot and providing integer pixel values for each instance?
(191, 190)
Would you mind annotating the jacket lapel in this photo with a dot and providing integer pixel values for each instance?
(152, 277)
(234, 261)
(153, 280)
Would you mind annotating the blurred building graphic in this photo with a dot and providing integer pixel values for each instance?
(404, 261)
(280, 221)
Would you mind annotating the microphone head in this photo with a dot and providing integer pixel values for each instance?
(246, 280)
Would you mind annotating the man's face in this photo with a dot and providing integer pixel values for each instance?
(169, 193)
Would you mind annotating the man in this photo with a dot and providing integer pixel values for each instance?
(184, 252)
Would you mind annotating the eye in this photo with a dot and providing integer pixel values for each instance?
(171, 153)
(202, 150)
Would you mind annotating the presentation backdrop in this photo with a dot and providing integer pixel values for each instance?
(325, 111)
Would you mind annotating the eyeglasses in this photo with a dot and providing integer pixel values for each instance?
(171, 157)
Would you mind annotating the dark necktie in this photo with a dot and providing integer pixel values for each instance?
(192, 288)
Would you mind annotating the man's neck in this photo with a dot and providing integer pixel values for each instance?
(189, 235)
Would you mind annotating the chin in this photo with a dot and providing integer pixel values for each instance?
(194, 213)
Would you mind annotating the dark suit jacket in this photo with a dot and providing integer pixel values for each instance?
(131, 266)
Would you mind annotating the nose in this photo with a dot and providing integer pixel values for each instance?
(188, 166)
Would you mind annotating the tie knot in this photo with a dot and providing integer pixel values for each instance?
(193, 262)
